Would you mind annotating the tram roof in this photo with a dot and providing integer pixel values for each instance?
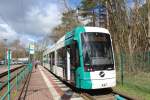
(85, 28)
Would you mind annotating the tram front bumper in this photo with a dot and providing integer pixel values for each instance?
(97, 84)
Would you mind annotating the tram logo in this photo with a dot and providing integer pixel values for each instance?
(101, 74)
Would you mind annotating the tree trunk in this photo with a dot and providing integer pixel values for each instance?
(148, 2)
(107, 16)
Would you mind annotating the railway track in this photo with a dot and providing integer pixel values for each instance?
(105, 94)
(14, 72)
(4, 80)
(11, 71)
(98, 97)
(99, 94)
(111, 96)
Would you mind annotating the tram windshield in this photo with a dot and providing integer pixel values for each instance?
(97, 51)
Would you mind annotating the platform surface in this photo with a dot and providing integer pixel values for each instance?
(44, 86)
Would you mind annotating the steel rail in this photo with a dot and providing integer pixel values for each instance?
(123, 95)
(5, 83)
(19, 77)
(25, 87)
(12, 70)
(117, 96)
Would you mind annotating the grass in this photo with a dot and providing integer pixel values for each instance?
(136, 85)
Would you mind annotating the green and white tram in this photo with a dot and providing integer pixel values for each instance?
(83, 57)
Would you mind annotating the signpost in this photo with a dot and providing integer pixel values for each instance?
(31, 52)
(31, 48)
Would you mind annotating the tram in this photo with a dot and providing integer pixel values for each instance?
(83, 57)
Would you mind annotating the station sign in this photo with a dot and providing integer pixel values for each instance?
(31, 48)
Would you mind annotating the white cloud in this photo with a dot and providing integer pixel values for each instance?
(42, 21)
(25, 40)
(6, 32)
(28, 18)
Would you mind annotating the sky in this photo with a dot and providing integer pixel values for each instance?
(31, 19)
(28, 19)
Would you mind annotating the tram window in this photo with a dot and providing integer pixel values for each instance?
(50, 61)
(46, 58)
(74, 56)
(61, 57)
(64, 56)
(53, 59)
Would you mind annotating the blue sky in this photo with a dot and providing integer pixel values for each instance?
(74, 3)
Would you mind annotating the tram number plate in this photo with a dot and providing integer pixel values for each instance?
(104, 84)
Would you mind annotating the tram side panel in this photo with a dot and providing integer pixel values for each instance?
(63, 67)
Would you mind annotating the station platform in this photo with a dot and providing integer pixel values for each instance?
(44, 86)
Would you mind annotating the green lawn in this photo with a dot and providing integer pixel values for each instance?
(136, 85)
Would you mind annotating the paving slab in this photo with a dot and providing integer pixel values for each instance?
(37, 88)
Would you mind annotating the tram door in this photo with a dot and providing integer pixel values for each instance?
(68, 63)
(72, 61)
(70, 67)
(64, 60)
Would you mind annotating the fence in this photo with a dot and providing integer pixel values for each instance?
(18, 78)
(133, 71)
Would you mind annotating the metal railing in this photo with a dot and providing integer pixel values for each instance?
(21, 75)
(4, 83)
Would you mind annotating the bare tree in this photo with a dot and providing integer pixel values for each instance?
(18, 50)
(148, 3)
(2, 49)
(69, 21)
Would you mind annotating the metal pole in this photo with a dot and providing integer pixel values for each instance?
(121, 65)
(29, 54)
(148, 57)
(29, 59)
(17, 81)
(148, 3)
(8, 89)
